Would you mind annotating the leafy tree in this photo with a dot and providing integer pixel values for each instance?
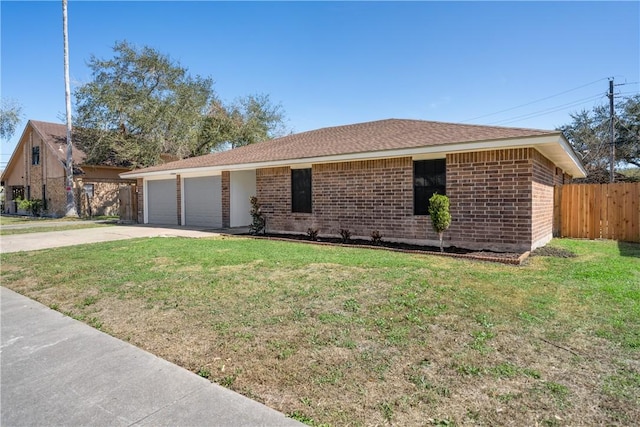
(139, 105)
(589, 134)
(248, 120)
(10, 117)
(440, 216)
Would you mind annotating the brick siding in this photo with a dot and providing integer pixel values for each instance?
(225, 183)
(361, 196)
(179, 200)
(545, 175)
(492, 195)
(140, 191)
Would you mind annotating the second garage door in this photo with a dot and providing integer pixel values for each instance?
(203, 201)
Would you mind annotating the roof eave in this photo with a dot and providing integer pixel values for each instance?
(6, 170)
(572, 164)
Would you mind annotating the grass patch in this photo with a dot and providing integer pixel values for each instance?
(20, 220)
(42, 229)
(367, 336)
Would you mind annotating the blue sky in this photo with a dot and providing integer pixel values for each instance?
(333, 63)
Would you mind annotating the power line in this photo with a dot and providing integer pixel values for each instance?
(536, 101)
(547, 110)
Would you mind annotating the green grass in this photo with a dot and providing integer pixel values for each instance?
(338, 335)
(43, 229)
(11, 220)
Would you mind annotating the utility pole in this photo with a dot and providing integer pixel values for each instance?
(71, 205)
(611, 127)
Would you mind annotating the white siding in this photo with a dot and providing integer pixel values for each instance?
(243, 186)
(161, 196)
(203, 201)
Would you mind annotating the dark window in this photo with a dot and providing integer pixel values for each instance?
(301, 190)
(35, 155)
(429, 177)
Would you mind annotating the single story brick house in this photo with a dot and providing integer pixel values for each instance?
(374, 176)
(36, 170)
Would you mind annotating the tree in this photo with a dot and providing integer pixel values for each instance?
(10, 117)
(590, 136)
(139, 105)
(248, 120)
(440, 216)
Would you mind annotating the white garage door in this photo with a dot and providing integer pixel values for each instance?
(161, 202)
(203, 201)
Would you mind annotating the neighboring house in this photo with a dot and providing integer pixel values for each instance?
(375, 176)
(36, 170)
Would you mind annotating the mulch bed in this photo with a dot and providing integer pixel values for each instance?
(511, 258)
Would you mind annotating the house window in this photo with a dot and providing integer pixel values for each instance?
(301, 190)
(429, 177)
(88, 190)
(35, 155)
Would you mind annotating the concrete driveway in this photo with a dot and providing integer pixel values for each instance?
(55, 239)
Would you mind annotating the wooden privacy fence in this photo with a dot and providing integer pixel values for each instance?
(598, 211)
(128, 203)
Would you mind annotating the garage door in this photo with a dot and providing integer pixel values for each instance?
(203, 201)
(161, 202)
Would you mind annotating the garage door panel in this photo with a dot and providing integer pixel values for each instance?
(161, 197)
(203, 201)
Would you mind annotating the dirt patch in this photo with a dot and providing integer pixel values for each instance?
(552, 251)
(513, 258)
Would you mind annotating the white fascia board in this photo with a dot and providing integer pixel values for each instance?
(437, 151)
(158, 177)
(566, 146)
(198, 173)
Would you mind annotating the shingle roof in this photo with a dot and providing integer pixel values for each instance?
(381, 135)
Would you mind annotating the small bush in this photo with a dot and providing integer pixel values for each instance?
(259, 221)
(376, 237)
(345, 235)
(440, 216)
(312, 233)
(34, 206)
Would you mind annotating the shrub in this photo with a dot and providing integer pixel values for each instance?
(312, 233)
(34, 206)
(440, 216)
(376, 237)
(259, 222)
(345, 234)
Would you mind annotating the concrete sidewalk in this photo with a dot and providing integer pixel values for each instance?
(58, 371)
(55, 239)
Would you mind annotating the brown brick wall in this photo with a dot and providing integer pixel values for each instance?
(491, 198)
(140, 190)
(225, 183)
(179, 200)
(545, 175)
(360, 196)
(56, 196)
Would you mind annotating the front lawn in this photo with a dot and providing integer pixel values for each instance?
(42, 228)
(346, 336)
